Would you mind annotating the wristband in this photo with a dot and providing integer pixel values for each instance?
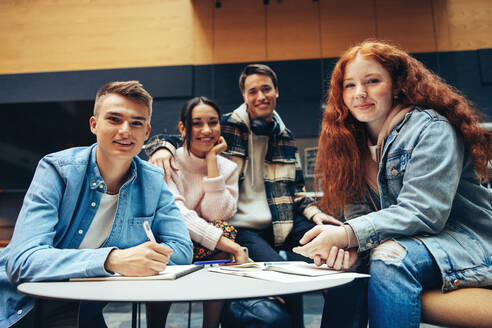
(352, 240)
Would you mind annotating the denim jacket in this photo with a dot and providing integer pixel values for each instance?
(429, 190)
(57, 211)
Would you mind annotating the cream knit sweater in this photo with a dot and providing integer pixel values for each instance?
(201, 199)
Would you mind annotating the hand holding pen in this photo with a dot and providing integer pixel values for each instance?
(148, 231)
(145, 259)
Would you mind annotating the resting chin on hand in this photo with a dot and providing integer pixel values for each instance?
(326, 244)
(146, 259)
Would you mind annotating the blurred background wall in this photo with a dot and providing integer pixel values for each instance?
(55, 54)
(61, 35)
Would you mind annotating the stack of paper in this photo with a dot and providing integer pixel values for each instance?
(284, 271)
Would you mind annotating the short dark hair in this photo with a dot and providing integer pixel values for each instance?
(129, 89)
(186, 112)
(257, 69)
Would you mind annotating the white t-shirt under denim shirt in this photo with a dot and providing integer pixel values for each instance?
(102, 223)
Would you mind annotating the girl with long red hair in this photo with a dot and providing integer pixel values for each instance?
(401, 155)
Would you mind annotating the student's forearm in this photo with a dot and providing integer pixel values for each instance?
(212, 167)
(48, 263)
(229, 246)
(160, 141)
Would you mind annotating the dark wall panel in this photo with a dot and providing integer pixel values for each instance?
(430, 60)
(203, 81)
(165, 115)
(462, 70)
(172, 81)
(302, 117)
(299, 79)
(225, 79)
(485, 62)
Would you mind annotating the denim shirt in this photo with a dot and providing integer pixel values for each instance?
(57, 211)
(429, 190)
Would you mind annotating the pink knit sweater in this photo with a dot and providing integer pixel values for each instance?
(203, 199)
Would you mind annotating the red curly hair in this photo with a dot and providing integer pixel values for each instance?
(340, 173)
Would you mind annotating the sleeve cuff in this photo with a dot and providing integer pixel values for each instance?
(211, 237)
(365, 233)
(214, 184)
(155, 145)
(351, 236)
(310, 211)
(95, 267)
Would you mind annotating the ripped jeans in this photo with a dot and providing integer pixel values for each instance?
(399, 272)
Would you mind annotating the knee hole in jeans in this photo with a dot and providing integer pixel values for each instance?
(390, 252)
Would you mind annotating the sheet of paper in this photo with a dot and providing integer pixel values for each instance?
(286, 278)
(301, 268)
(292, 267)
(171, 272)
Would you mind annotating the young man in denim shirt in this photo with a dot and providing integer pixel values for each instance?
(83, 213)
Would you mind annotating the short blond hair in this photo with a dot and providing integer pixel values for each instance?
(132, 90)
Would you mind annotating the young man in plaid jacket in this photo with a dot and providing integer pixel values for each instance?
(273, 210)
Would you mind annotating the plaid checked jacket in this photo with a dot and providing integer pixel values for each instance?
(284, 179)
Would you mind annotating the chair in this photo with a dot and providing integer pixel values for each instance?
(466, 307)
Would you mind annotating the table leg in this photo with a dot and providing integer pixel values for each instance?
(189, 314)
(38, 312)
(134, 315)
(138, 315)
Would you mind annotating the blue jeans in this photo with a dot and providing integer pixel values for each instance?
(399, 272)
(260, 242)
(261, 249)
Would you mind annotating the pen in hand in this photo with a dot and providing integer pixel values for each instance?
(148, 231)
(211, 262)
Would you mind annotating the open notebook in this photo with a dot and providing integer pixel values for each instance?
(284, 271)
(170, 273)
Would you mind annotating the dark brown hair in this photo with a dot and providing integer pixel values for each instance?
(257, 69)
(186, 113)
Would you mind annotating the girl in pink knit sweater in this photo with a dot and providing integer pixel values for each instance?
(205, 188)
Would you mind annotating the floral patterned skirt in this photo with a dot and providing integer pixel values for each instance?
(200, 252)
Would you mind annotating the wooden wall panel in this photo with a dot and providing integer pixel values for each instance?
(345, 23)
(56, 35)
(292, 30)
(441, 23)
(239, 32)
(203, 31)
(50, 35)
(407, 23)
(470, 24)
